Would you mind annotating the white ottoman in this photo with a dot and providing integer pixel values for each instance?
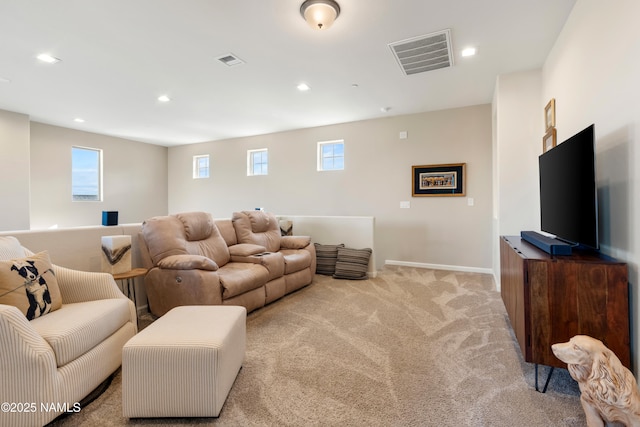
(184, 363)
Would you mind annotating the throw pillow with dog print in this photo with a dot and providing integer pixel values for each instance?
(30, 285)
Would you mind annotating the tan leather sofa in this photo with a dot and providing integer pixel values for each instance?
(195, 260)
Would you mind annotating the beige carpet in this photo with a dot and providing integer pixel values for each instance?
(412, 347)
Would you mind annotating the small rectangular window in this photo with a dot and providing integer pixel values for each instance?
(201, 166)
(86, 174)
(331, 155)
(257, 162)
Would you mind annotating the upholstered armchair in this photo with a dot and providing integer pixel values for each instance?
(68, 349)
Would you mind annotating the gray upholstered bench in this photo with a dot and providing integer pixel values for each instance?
(184, 363)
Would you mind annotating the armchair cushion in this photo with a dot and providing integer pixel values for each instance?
(30, 284)
(79, 327)
(188, 262)
(11, 248)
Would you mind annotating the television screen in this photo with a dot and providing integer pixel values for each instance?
(568, 201)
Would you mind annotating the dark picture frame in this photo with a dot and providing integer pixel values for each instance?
(438, 180)
(549, 140)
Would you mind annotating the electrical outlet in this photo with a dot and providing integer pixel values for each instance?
(405, 205)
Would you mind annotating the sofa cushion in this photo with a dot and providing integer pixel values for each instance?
(239, 277)
(77, 328)
(257, 227)
(173, 235)
(295, 260)
(352, 263)
(30, 284)
(295, 242)
(246, 249)
(197, 225)
(326, 257)
(164, 236)
(188, 262)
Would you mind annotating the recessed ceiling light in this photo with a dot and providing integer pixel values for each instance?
(78, 120)
(45, 57)
(385, 109)
(303, 87)
(470, 51)
(164, 98)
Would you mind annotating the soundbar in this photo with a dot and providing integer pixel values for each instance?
(548, 244)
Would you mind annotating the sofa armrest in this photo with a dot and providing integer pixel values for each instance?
(246, 249)
(169, 288)
(294, 242)
(188, 262)
(26, 358)
(81, 286)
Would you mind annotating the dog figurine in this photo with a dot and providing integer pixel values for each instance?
(609, 392)
(36, 288)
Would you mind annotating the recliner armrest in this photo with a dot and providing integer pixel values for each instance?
(188, 262)
(246, 249)
(294, 242)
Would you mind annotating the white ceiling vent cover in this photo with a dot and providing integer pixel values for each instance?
(424, 53)
(229, 59)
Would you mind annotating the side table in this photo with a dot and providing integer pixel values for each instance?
(128, 278)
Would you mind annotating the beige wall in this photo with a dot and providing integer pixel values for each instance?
(14, 173)
(36, 161)
(377, 177)
(517, 131)
(135, 178)
(593, 73)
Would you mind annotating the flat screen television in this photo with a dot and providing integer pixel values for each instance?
(568, 192)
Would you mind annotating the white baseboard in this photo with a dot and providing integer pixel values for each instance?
(440, 266)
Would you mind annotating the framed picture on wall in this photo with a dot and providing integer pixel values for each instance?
(438, 180)
(549, 140)
(550, 115)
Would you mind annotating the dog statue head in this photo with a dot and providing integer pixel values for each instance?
(608, 389)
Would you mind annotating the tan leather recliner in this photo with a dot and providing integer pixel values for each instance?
(195, 260)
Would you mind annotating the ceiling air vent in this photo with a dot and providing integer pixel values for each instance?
(229, 59)
(424, 53)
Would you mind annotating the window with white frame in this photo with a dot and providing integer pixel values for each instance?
(257, 162)
(86, 174)
(331, 155)
(201, 166)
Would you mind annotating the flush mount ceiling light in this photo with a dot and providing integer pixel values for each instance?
(470, 51)
(49, 59)
(320, 14)
(164, 98)
(303, 87)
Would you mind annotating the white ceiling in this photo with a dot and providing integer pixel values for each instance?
(118, 56)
